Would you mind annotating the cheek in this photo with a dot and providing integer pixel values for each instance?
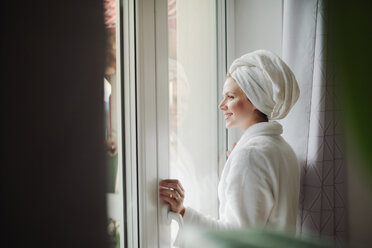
(237, 107)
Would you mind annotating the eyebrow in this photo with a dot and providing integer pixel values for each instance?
(228, 92)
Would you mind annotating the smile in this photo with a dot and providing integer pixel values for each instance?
(228, 115)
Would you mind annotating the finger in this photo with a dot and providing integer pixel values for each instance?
(174, 196)
(168, 199)
(177, 188)
(171, 193)
(171, 181)
(173, 185)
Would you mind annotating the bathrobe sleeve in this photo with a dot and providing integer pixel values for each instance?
(248, 190)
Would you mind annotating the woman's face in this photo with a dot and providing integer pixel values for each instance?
(238, 110)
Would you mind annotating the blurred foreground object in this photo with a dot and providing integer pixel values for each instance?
(248, 238)
(350, 30)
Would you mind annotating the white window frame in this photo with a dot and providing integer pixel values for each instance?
(129, 127)
(221, 70)
(152, 117)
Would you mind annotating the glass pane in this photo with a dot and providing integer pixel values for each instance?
(112, 103)
(193, 102)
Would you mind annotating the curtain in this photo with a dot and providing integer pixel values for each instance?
(313, 127)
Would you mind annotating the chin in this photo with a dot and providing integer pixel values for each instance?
(229, 125)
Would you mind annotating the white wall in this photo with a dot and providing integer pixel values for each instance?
(252, 25)
(258, 25)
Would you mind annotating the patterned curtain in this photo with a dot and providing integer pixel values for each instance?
(317, 139)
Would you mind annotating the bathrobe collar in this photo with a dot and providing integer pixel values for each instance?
(262, 129)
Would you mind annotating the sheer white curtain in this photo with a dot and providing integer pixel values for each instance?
(313, 127)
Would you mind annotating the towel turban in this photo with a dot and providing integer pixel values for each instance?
(267, 81)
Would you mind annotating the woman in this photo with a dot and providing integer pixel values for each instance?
(259, 185)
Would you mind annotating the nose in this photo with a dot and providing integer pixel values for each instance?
(222, 105)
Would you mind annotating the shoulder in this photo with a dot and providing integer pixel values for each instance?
(246, 153)
(270, 147)
(250, 158)
(264, 143)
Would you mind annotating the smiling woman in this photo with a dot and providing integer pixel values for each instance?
(260, 183)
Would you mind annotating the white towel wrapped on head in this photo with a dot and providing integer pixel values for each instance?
(267, 81)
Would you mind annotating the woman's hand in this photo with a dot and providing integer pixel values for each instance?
(172, 192)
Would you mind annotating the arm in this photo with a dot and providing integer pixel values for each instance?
(249, 196)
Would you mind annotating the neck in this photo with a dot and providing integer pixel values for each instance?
(252, 122)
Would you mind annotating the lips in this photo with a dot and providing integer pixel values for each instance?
(227, 115)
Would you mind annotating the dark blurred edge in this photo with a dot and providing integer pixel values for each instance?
(52, 173)
(350, 41)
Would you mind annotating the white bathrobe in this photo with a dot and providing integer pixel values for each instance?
(260, 183)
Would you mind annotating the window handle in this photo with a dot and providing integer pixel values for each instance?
(169, 215)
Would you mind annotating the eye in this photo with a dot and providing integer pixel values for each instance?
(230, 96)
